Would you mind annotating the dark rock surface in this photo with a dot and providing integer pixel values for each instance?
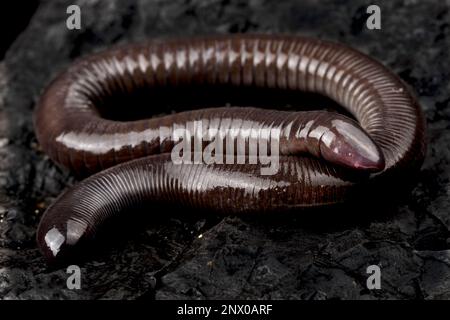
(210, 257)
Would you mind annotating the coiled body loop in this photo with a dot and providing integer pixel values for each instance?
(319, 152)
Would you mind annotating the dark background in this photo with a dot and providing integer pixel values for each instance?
(236, 257)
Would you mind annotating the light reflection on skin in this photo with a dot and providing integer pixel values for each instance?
(75, 229)
(357, 138)
(55, 239)
(103, 143)
(256, 138)
(232, 180)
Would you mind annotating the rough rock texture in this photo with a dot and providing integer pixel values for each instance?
(210, 257)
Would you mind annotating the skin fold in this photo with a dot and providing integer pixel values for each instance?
(324, 156)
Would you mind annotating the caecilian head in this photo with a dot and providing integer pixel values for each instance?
(345, 143)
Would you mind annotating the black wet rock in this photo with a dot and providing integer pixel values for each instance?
(210, 257)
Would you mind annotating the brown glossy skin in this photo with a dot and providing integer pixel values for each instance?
(70, 129)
